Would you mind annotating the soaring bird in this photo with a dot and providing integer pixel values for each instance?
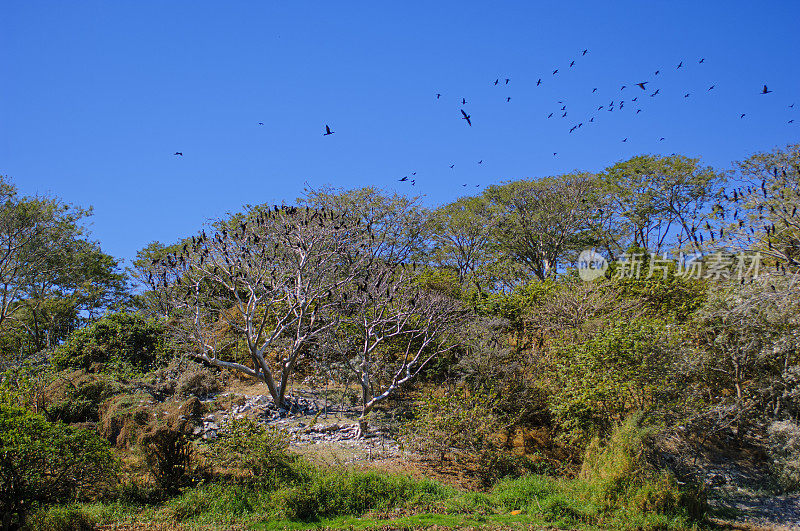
(625, 139)
(741, 115)
(463, 101)
(765, 90)
(636, 98)
(660, 139)
(711, 87)
(480, 161)
(657, 72)
(642, 84)
(496, 81)
(179, 153)
(508, 99)
(328, 131)
(564, 115)
(507, 80)
(680, 64)
(466, 117)
(550, 115)
(260, 123)
(572, 64)
(539, 82)
(584, 52)
(438, 95)
(573, 128)
(638, 111)
(701, 60)
(686, 95)
(594, 90)
(452, 166)
(555, 71)
(655, 93)
(404, 179)
(623, 87)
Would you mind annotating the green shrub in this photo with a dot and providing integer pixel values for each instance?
(117, 337)
(258, 451)
(60, 518)
(620, 473)
(44, 462)
(170, 457)
(353, 493)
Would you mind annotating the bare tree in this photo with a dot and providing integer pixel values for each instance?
(273, 277)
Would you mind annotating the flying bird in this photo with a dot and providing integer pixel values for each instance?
(496, 81)
(438, 95)
(660, 139)
(642, 84)
(466, 117)
(480, 161)
(260, 123)
(686, 95)
(680, 64)
(701, 60)
(741, 115)
(463, 101)
(765, 90)
(404, 179)
(623, 87)
(657, 71)
(572, 64)
(584, 52)
(550, 115)
(539, 82)
(711, 87)
(508, 99)
(555, 71)
(564, 115)
(507, 80)
(452, 166)
(328, 131)
(625, 139)
(179, 153)
(594, 90)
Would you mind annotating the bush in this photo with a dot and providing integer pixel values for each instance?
(620, 474)
(354, 493)
(117, 337)
(170, 457)
(258, 451)
(784, 451)
(196, 380)
(43, 462)
(60, 518)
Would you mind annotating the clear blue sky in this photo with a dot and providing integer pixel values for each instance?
(96, 96)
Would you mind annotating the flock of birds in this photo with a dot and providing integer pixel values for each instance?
(637, 100)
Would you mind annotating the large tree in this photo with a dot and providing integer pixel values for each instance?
(270, 277)
(764, 206)
(542, 222)
(659, 200)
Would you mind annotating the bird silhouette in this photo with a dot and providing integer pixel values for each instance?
(765, 90)
(584, 52)
(638, 111)
(660, 139)
(466, 117)
(496, 81)
(404, 179)
(680, 64)
(642, 84)
(508, 99)
(572, 64)
(480, 161)
(463, 101)
(655, 93)
(623, 87)
(686, 95)
(539, 82)
(594, 90)
(413, 173)
(573, 128)
(555, 71)
(328, 131)
(625, 139)
(550, 115)
(636, 98)
(438, 95)
(554, 153)
(711, 87)
(741, 115)
(179, 153)
(260, 123)
(564, 115)
(657, 72)
(507, 80)
(701, 60)
(452, 166)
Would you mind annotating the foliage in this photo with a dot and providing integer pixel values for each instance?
(127, 338)
(784, 450)
(43, 462)
(60, 518)
(170, 457)
(259, 451)
(600, 381)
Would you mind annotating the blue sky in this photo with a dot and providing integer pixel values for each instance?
(97, 96)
